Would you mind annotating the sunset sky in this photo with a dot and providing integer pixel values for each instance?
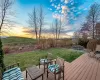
(72, 12)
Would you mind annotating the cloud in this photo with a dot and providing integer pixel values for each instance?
(58, 7)
(51, 0)
(59, 17)
(17, 30)
(22, 31)
(85, 9)
(65, 9)
(78, 13)
(67, 28)
(70, 33)
(72, 3)
(62, 14)
(72, 12)
(56, 15)
(66, 1)
(50, 9)
(62, 0)
(55, 6)
(52, 4)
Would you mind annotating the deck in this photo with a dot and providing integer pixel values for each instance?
(83, 68)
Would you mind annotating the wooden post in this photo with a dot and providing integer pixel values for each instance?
(42, 76)
(26, 74)
(0, 74)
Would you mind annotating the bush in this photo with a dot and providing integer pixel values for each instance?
(61, 43)
(83, 42)
(69, 42)
(38, 46)
(98, 42)
(64, 43)
(6, 49)
(51, 42)
(92, 44)
(44, 44)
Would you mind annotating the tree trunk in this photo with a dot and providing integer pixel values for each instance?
(59, 31)
(36, 34)
(2, 66)
(40, 34)
(93, 30)
(59, 28)
(1, 55)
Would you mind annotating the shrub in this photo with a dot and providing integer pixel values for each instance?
(64, 42)
(6, 49)
(69, 42)
(44, 44)
(61, 43)
(92, 44)
(98, 42)
(38, 46)
(83, 42)
(51, 42)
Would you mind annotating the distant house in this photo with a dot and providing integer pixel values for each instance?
(97, 30)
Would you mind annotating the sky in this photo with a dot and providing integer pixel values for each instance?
(72, 13)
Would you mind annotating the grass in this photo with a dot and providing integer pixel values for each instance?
(28, 59)
(17, 41)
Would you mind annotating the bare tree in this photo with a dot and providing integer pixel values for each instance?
(36, 20)
(5, 5)
(93, 17)
(52, 30)
(33, 21)
(59, 23)
(85, 29)
(76, 37)
(60, 27)
(41, 20)
(56, 30)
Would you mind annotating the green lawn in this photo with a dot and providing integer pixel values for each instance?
(28, 59)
